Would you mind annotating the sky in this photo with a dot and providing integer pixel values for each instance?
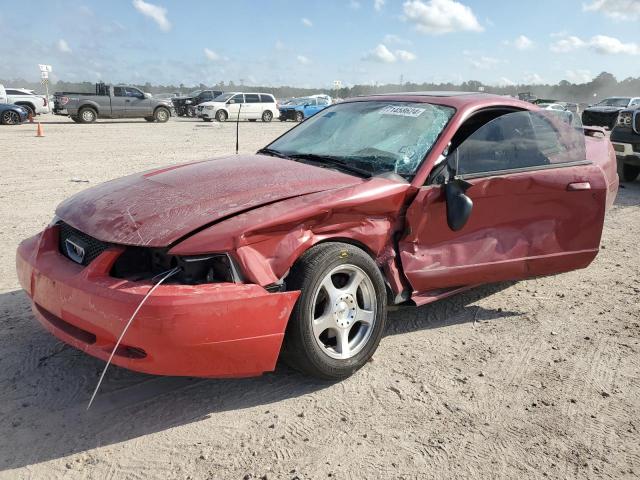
(313, 43)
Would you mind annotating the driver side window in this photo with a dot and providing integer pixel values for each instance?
(518, 140)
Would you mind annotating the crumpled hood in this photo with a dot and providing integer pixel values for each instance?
(603, 109)
(157, 208)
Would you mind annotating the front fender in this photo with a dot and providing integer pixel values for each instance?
(266, 241)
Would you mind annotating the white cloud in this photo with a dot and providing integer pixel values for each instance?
(405, 56)
(523, 43)
(303, 60)
(391, 39)
(567, 44)
(483, 62)
(306, 22)
(378, 4)
(211, 55)
(533, 79)
(354, 4)
(602, 44)
(579, 76)
(611, 46)
(279, 45)
(382, 54)
(505, 82)
(156, 13)
(616, 9)
(63, 46)
(441, 16)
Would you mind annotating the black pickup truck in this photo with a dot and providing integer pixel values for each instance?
(120, 101)
(625, 138)
(185, 106)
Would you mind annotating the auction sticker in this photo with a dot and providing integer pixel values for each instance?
(402, 111)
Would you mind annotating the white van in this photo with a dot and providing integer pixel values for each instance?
(241, 106)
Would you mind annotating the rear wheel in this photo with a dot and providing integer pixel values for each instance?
(628, 173)
(28, 108)
(339, 319)
(9, 117)
(75, 119)
(87, 115)
(221, 116)
(267, 116)
(161, 115)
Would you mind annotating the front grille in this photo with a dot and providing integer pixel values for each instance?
(91, 247)
(636, 121)
(599, 119)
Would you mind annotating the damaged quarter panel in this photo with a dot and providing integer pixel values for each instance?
(266, 241)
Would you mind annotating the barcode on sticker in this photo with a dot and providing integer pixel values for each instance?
(402, 111)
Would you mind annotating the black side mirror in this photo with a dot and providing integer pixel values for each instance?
(459, 205)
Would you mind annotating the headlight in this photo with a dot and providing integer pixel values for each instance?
(624, 119)
(188, 102)
(209, 107)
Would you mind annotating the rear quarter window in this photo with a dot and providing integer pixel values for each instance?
(267, 99)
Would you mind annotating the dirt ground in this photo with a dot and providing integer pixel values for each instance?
(528, 380)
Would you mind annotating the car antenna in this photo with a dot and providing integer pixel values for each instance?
(237, 129)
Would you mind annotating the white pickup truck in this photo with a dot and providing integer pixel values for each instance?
(35, 104)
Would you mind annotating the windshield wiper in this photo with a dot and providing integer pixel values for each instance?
(272, 152)
(333, 161)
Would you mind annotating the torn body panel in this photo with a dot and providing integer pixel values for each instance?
(267, 241)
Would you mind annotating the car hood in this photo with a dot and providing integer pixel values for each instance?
(159, 207)
(604, 109)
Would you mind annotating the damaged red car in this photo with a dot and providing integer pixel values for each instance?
(297, 251)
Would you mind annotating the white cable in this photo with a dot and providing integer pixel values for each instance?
(171, 272)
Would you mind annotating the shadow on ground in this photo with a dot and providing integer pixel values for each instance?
(45, 385)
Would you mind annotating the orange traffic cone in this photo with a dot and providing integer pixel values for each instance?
(40, 132)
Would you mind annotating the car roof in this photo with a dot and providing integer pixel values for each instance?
(458, 100)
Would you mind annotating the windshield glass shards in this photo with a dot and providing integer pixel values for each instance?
(371, 136)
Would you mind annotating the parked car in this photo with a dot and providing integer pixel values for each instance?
(300, 108)
(35, 104)
(625, 138)
(297, 251)
(238, 105)
(185, 106)
(121, 101)
(11, 114)
(605, 113)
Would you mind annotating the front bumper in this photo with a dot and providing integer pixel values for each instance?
(210, 330)
(627, 152)
(288, 114)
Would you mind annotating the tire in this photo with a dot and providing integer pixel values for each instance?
(207, 119)
(299, 116)
(29, 108)
(251, 119)
(150, 119)
(75, 119)
(9, 117)
(347, 337)
(87, 115)
(221, 116)
(161, 115)
(626, 172)
(267, 116)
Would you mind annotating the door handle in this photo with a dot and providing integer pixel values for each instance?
(578, 186)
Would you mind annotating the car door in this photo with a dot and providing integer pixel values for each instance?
(311, 107)
(252, 107)
(118, 103)
(234, 107)
(538, 207)
(137, 104)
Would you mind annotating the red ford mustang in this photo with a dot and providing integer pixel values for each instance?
(297, 251)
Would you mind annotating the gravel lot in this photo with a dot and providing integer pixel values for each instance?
(528, 380)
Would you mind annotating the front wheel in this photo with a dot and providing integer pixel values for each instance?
(150, 119)
(299, 116)
(9, 117)
(339, 319)
(221, 116)
(161, 115)
(267, 116)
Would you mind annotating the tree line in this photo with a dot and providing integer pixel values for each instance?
(602, 86)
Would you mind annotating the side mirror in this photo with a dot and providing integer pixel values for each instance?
(230, 102)
(459, 205)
